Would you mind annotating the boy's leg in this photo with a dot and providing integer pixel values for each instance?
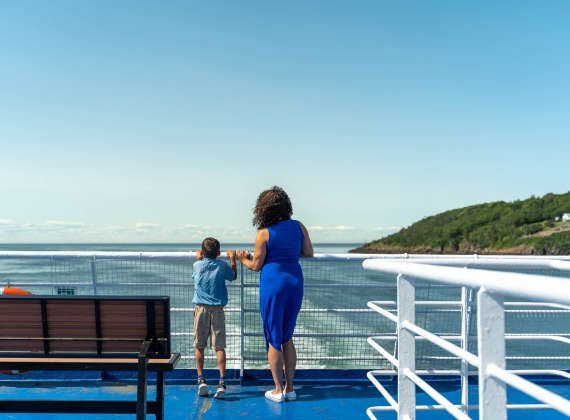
(218, 338)
(200, 361)
(218, 341)
(221, 356)
(201, 331)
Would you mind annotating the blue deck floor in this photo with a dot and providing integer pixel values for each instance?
(315, 400)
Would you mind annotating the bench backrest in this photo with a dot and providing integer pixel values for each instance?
(35, 326)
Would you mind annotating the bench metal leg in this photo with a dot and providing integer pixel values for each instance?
(159, 395)
(142, 381)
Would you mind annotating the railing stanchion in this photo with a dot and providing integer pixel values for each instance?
(464, 346)
(406, 348)
(491, 344)
(94, 274)
(242, 322)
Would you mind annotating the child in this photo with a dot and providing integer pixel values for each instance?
(210, 297)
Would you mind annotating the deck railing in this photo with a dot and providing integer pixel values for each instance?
(334, 324)
(491, 359)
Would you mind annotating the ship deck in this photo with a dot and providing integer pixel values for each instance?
(317, 399)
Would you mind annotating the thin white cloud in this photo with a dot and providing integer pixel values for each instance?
(146, 225)
(317, 228)
(54, 223)
(387, 228)
(343, 227)
(6, 222)
(65, 231)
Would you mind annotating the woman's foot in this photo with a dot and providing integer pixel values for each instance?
(275, 396)
(290, 396)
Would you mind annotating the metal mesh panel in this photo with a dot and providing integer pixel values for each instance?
(334, 321)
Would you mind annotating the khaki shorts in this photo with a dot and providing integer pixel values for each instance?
(209, 321)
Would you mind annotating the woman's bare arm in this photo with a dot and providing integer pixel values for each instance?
(307, 247)
(258, 253)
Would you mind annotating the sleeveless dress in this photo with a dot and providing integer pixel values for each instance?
(281, 283)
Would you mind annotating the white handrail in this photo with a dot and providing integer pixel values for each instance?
(445, 403)
(493, 378)
(526, 286)
(541, 394)
(559, 262)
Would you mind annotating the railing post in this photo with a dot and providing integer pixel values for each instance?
(464, 346)
(94, 274)
(242, 321)
(491, 342)
(406, 348)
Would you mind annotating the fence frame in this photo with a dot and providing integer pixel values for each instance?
(493, 377)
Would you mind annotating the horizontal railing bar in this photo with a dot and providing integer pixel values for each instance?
(315, 310)
(383, 391)
(383, 351)
(211, 357)
(459, 303)
(474, 337)
(332, 335)
(471, 407)
(535, 391)
(451, 409)
(527, 286)
(382, 311)
(372, 358)
(474, 372)
(468, 357)
(421, 258)
(507, 358)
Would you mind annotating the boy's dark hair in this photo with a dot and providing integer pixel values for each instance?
(210, 247)
(272, 206)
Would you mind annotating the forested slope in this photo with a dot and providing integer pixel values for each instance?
(519, 227)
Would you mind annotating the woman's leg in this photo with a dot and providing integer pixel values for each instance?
(275, 358)
(290, 363)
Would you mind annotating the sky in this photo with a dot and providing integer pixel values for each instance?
(139, 121)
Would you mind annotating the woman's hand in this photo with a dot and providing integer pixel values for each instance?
(256, 263)
(243, 255)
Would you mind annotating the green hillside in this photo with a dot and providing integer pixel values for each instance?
(519, 227)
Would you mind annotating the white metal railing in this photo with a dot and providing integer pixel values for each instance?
(333, 325)
(491, 359)
(93, 277)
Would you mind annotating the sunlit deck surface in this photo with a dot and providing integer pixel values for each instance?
(326, 399)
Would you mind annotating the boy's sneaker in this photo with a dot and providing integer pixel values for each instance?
(202, 388)
(221, 391)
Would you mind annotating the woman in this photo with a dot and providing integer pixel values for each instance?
(279, 243)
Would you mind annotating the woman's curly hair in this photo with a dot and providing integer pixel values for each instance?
(271, 206)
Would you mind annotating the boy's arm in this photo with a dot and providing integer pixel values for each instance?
(232, 256)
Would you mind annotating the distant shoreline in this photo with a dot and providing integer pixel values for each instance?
(519, 250)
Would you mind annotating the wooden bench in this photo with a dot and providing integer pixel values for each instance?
(88, 333)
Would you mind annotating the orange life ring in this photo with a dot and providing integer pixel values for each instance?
(13, 291)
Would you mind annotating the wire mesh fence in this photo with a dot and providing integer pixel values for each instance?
(334, 322)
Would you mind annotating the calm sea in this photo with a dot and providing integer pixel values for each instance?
(322, 248)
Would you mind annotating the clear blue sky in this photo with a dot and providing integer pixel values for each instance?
(162, 121)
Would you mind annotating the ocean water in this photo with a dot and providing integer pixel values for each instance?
(339, 248)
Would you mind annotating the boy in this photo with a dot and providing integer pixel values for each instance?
(210, 297)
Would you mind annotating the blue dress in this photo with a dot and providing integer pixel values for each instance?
(281, 283)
